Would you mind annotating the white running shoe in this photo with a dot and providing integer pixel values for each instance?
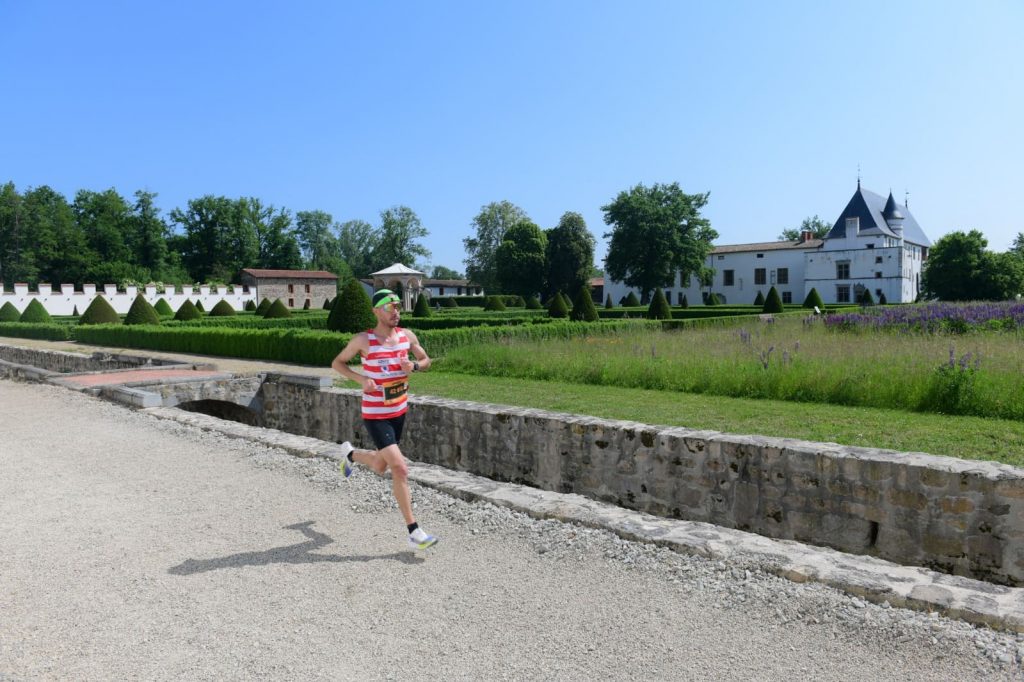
(418, 539)
(346, 464)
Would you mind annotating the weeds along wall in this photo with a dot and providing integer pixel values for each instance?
(955, 516)
(65, 300)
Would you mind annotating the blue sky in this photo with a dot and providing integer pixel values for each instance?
(353, 107)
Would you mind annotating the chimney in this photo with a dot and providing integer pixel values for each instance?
(806, 236)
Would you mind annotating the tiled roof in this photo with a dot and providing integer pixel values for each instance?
(289, 274)
(768, 246)
(869, 207)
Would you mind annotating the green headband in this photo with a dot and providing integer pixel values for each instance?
(386, 299)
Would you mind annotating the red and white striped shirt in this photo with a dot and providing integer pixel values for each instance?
(382, 364)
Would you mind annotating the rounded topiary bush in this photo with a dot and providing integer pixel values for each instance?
(187, 311)
(250, 306)
(277, 309)
(496, 303)
(352, 311)
(659, 308)
(100, 312)
(35, 312)
(162, 307)
(759, 299)
(450, 303)
(557, 307)
(813, 299)
(222, 309)
(583, 309)
(772, 302)
(263, 307)
(422, 307)
(8, 313)
(141, 312)
(631, 300)
(532, 303)
(711, 299)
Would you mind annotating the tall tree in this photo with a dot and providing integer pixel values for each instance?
(318, 244)
(13, 249)
(818, 227)
(277, 248)
(960, 269)
(657, 232)
(521, 260)
(490, 224)
(399, 231)
(1017, 248)
(357, 241)
(442, 272)
(570, 254)
(217, 244)
(106, 219)
(149, 235)
(58, 248)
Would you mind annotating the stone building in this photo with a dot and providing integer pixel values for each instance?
(293, 287)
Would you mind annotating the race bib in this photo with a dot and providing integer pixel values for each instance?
(394, 390)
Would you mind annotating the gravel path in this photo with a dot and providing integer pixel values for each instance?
(138, 548)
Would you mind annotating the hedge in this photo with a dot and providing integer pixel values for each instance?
(32, 330)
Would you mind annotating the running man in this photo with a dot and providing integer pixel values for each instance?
(384, 351)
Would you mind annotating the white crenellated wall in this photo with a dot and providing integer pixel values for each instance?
(66, 299)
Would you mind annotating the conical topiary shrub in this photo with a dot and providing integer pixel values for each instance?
(8, 313)
(532, 303)
(199, 306)
(866, 298)
(608, 305)
(74, 311)
(327, 303)
(450, 303)
(422, 307)
(263, 307)
(100, 312)
(352, 311)
(305, 304)
(494, 303)
(711, 299)
(759, 299)
(187, 311)
(35, 312)
(659, 308)
(250, 306)
(631, 300)
(813, 299)
(222, 309)
(772, 302)
(277, 309)
(162, 307)
(684, 303)
(583, 309)
(141, 312)
(557, 307)
(881, 299)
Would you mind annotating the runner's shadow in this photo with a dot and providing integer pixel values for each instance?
(300, 553)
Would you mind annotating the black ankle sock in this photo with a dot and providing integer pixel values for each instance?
(413, 526)
(349, 455)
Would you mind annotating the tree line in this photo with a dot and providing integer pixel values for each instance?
(102, 237)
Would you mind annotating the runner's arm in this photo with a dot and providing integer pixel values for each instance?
(357, 346)
(423, 360)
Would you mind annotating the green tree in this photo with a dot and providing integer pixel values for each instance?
(318, 244)
(352, 311)
(960, 269)
(1017, 248)
(106, 219)
(659, 308)
(422, 307)
(16, 256)
(532, 303)
(149, 237)
(55, 247)
(813, 300)
(583, 309)
(141, 312)
(631, 300)
(218, 245)
(442, 272)
(608, 305)
(557, 308)
(490, 224)
(759, 299)
(494, 303)
(1002, 276)
(866, 298)
(657, 234)
(772, 302)
(277, 247)
(521, 263)
(357, 241)
(400, 229)
(818, 227)
(570, 254)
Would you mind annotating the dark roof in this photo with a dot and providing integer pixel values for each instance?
(768, 246)
(891, 210)
(446, 283)
(289, 274)
(869, 207)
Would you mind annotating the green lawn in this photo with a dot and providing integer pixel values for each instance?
(964, 437)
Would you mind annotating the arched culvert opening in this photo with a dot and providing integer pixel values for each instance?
(223, 409)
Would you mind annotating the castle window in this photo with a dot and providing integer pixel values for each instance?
(843, 294)
(760, 255)
(727, 278)
(782, 276)
(870, 246)
(843, 270)
(878, 259)
(787, 296)
(760, 275)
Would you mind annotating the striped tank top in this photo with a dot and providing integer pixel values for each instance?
(381, 363)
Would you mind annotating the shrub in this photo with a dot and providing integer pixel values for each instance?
(557, 307)
(162, 307)
(352, 311)
(222, 309)
(608, 305)
(814, 299)
(450, 303)
(494, 303)
(99, 312)
(866, 298)
(773, 302)
(659, 308)
(684, 303)
(759, 299)
(141, 312)
(881, 299)
(74, 311)
(250, 305)
(328, 302)
(631, 300)
(199, 306)
(187, 311)
(711, 299)
(533, 304)
(583, 309)
(35, 312)
(422, 307)
(277, 310)
(305, 304)
(263, 307)
(8, 313)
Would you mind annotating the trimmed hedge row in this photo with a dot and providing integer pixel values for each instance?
(417, 323)
(477, 301)
(254, 322)
(51, 331)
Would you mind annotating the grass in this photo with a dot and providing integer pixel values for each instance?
(963, 437)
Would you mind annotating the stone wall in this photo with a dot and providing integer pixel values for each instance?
(956, 516)
(65, 363)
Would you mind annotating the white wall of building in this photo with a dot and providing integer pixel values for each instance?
(65, 300)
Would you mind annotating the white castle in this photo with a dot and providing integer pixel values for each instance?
(66, 300)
